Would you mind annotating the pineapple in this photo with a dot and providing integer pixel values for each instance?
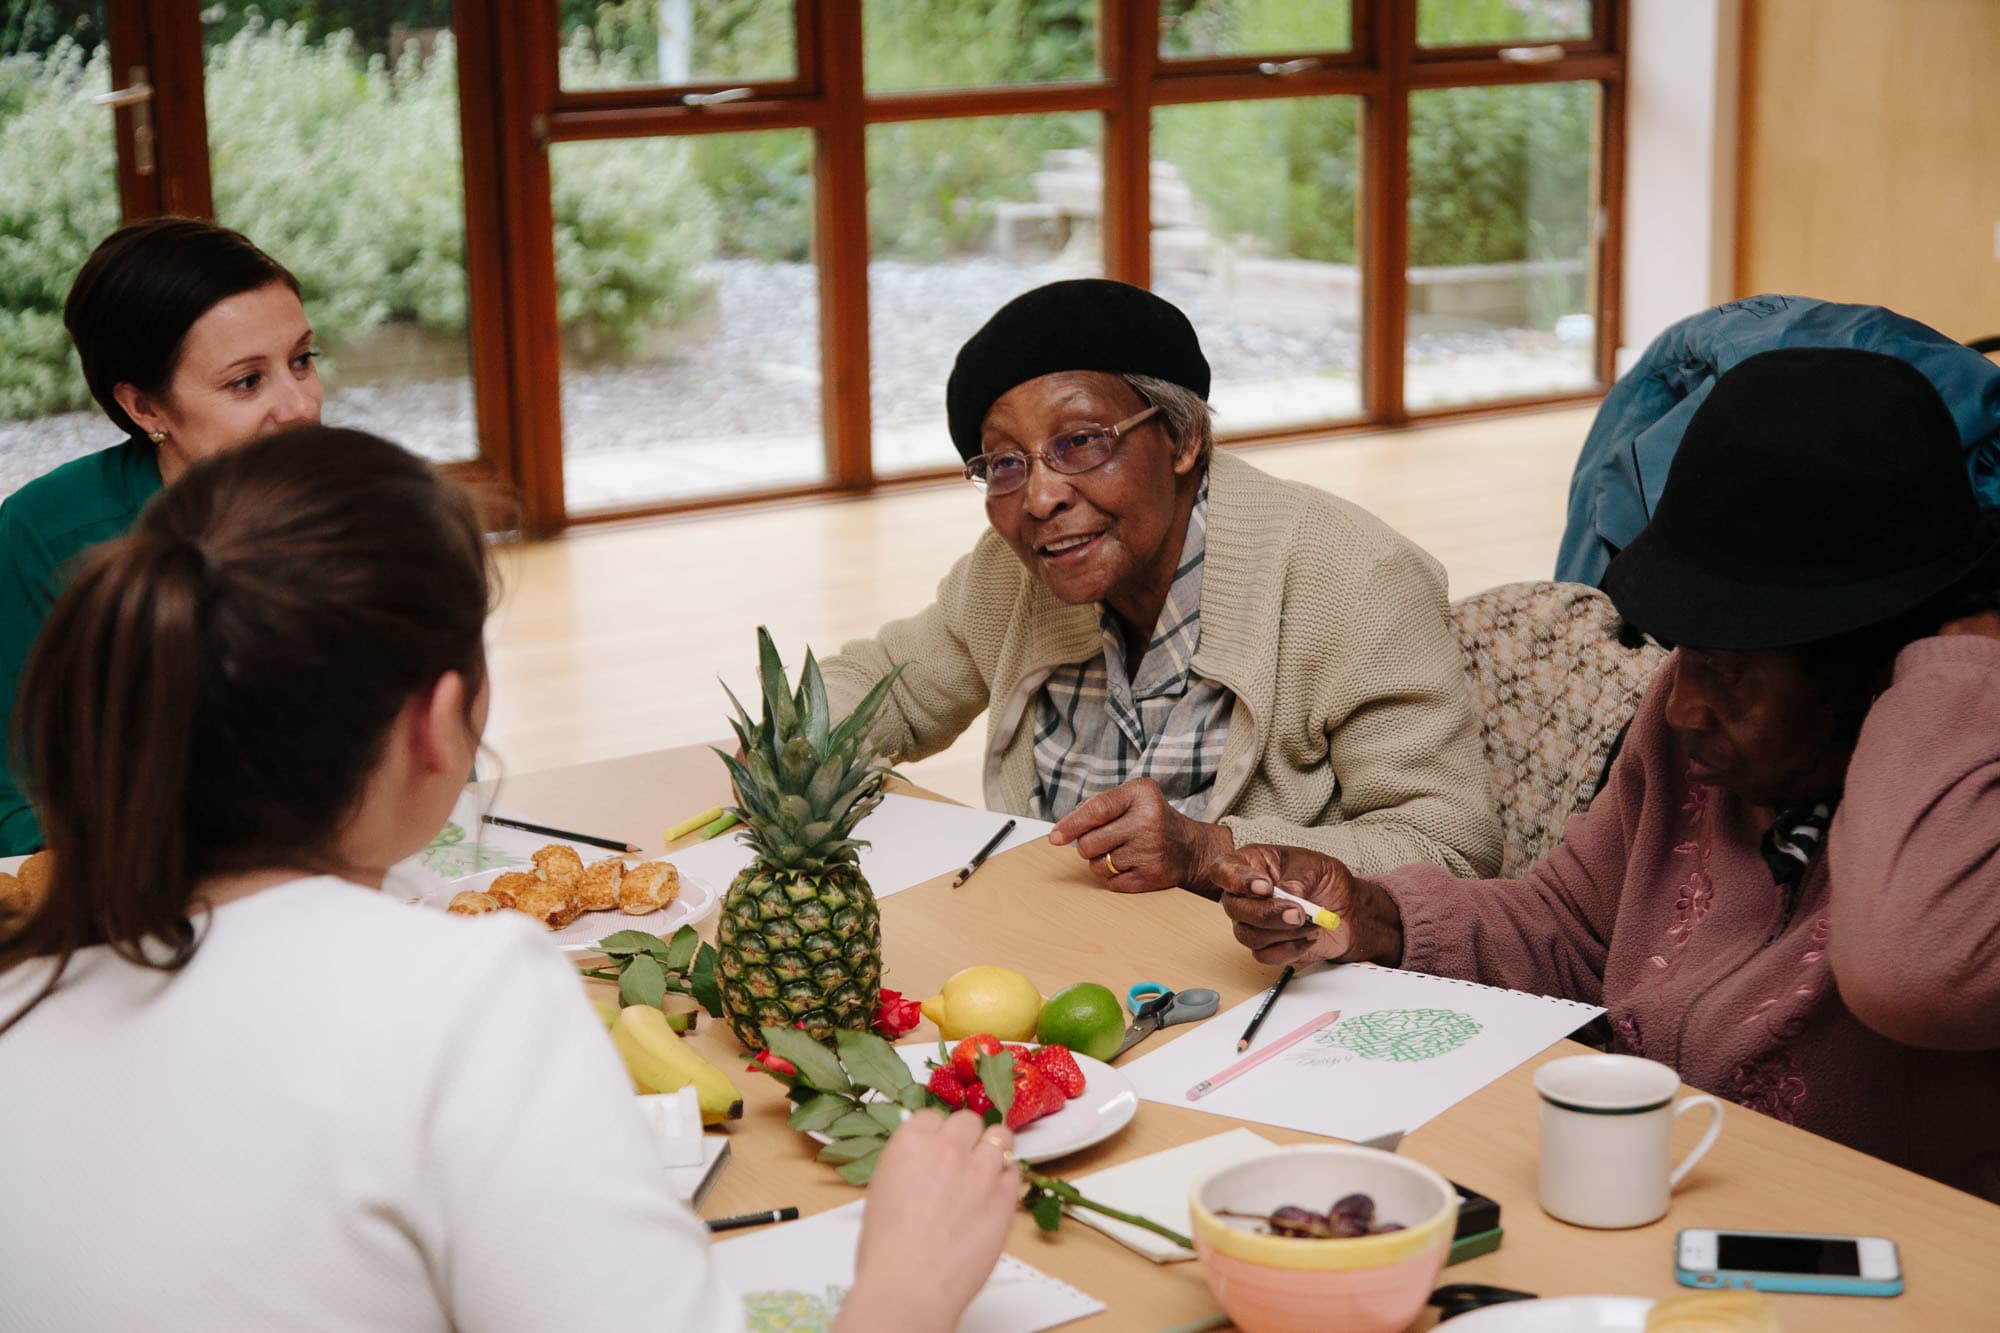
(800, 939)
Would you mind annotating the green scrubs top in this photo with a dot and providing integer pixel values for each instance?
(44, 526)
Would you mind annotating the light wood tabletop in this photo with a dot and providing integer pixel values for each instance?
(1038, 910)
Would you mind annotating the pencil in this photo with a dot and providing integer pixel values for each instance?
(1270, 998)
(742, 1220)
(562, 833)
(1248, 1063)
(979, 857)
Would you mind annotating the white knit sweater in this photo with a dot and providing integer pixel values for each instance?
(1352, 733)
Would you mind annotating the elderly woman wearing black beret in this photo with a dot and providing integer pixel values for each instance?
(1176, 653)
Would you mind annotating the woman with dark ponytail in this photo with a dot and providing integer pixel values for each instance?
(193, 341)
(239, 1088)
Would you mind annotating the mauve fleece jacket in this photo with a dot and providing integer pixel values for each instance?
(1870, 1015)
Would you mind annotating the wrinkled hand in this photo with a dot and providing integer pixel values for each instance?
(1371, 927)
(939, 1207)
(1136, 842)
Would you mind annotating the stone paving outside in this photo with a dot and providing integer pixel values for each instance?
(736, 406)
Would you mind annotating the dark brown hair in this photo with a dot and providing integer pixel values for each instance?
(143, 288)
(212, 692)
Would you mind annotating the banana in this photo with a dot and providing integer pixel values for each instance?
(659, 1061)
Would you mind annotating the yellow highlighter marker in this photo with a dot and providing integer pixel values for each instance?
(1323, 917)
(693, 822)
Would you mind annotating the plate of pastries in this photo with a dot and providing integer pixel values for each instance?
(578, 903)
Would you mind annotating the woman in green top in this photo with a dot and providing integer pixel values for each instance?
(193, 341)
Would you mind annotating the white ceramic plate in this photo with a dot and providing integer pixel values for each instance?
(1560, 1314)
(1106, 1105)
(695, 902)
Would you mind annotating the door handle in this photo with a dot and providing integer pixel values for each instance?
(136, 97)
(717, 98)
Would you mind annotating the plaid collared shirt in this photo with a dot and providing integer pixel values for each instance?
(1096, 726)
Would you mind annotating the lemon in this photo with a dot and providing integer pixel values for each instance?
(1084, 1017)
(998, 1000)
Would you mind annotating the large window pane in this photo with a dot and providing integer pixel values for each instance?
(1502, 265)
(912, 44)
(1488, 22)
(1253, 27)
(625, 42)
(689, 307)
(58, 199)
(337, 150)
(1254, 236)
(963, 216)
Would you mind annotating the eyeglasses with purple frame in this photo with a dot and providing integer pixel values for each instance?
(1006, 470)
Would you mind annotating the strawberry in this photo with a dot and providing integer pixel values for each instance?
(965, 1056)
(1061, 1067)
(976, 1098)
(1034, 1096)
(944, 1082)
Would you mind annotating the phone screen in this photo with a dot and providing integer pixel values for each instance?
(1788, 1254)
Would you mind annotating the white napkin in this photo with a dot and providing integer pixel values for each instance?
(1156, 1188)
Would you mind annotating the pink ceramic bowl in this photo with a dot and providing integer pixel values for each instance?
(1371, 1284)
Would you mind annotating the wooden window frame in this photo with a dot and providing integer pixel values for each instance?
(515, 110)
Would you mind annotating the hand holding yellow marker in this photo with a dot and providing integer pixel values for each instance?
(1323, 917)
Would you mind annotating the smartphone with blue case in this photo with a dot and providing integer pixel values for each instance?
(1788, 1261)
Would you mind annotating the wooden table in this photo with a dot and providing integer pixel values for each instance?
(1036, 909)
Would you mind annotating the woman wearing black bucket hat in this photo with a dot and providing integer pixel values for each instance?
(1176, 653)
(1790, 887)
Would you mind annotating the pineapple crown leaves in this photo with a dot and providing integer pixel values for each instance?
(804, 781)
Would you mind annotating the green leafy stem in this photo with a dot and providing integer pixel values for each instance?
(647, 968)
(828, 1092)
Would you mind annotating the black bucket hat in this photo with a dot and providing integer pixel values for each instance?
(1077, 324)
(1816, 491)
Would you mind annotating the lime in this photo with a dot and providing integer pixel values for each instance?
(1084, 1017)
(996, 1000)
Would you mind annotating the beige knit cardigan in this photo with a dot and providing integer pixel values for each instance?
(1352, 733)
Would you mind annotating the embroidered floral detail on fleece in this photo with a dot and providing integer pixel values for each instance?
(1771, 1084)
(1802, 998)
(1691, 905)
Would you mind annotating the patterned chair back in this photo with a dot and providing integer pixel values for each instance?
(1553, 687)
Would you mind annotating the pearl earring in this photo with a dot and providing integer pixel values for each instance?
(157, 437)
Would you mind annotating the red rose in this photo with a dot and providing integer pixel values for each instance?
(766, 1063)
(896, 1015)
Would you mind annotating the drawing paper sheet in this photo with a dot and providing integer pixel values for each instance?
(793, 1276)
(1406, 1048)
(910, 840)
(1156, 1187)
(466, 845)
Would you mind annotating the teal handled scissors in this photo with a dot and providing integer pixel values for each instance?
(1155, 1006)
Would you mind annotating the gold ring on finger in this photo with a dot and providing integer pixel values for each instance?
(1109, 869)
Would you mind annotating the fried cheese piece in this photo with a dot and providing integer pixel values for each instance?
(512, 885)
(472, 903)
(647, 887)
(22, 895)
(551, 906)
(559, 865)
(597, 887)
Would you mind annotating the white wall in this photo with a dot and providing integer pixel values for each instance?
(1680, 163)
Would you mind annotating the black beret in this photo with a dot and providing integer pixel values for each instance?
(1080, 324)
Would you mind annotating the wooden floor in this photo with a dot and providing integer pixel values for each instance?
(609, 642)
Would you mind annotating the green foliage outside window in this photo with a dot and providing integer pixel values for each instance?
(341, 156)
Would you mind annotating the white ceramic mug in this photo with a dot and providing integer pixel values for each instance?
(1607, 1124)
